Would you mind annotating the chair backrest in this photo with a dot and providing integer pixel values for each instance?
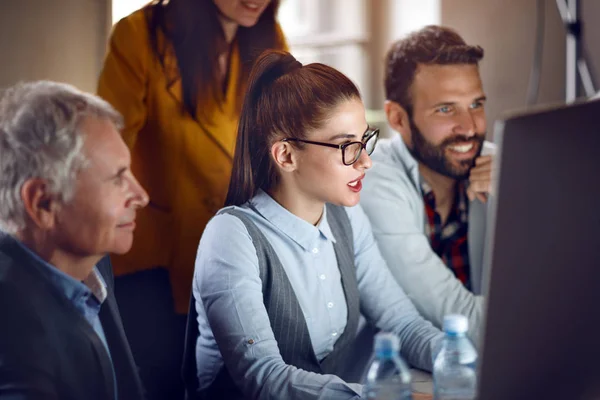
(189, 371)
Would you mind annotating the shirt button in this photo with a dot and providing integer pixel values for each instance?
(334, 334)
(330, 305)
(322, 276)
(315, 250)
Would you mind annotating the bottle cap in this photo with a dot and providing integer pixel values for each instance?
(456, 323)
(386, 342)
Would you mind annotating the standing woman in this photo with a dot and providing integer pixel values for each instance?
(283, 273)
(177, 71)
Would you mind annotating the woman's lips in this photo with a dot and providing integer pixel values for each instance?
(356, 185)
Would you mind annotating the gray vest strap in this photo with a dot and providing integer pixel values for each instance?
(285, 314)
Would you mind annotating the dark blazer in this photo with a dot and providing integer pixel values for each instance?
(47, 348)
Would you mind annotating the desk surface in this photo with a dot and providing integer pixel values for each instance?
(422, 381)
(421, 396)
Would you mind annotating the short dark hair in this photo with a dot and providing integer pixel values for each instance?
(284, 100)
(430, 45)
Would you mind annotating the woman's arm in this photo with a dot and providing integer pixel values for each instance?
(384, 302)
(228, 287)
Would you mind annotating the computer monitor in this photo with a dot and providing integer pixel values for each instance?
(541, 337)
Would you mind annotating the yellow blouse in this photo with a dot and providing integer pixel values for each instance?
(184, 163)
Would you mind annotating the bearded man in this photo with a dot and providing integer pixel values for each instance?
(426, 195)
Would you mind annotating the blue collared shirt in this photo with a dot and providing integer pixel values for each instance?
(86, 296)
(227, 288)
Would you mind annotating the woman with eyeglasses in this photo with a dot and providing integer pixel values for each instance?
(284, 271)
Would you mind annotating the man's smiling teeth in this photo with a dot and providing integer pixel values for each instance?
(462, 148)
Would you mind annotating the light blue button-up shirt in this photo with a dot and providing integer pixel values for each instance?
(228, 292)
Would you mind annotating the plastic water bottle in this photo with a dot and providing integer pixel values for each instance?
(454, 373)
(388, 377)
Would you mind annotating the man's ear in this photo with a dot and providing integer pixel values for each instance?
(40, 205)
(398, 118)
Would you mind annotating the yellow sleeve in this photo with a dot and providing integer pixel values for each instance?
(124, 76)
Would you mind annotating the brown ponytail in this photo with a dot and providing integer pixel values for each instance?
(283, 99)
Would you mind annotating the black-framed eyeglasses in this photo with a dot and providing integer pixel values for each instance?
(351, 150)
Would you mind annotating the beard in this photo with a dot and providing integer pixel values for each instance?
(434, 156)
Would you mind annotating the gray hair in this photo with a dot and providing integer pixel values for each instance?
(40, 137)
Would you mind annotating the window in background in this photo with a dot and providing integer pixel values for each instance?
(333, 32)
(122, 8)
(353, 36)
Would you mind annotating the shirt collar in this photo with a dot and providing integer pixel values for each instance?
(74, 290)
(95, 282)
(297, 229)
(425, 187)
(461, 203)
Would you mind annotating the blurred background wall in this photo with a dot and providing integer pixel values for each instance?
(65, 40)
(62, 40)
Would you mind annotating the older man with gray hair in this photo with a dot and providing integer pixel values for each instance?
(67, 199)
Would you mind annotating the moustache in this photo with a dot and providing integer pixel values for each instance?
(463, 139)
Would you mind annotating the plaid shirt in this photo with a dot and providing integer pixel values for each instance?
(449, 241)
